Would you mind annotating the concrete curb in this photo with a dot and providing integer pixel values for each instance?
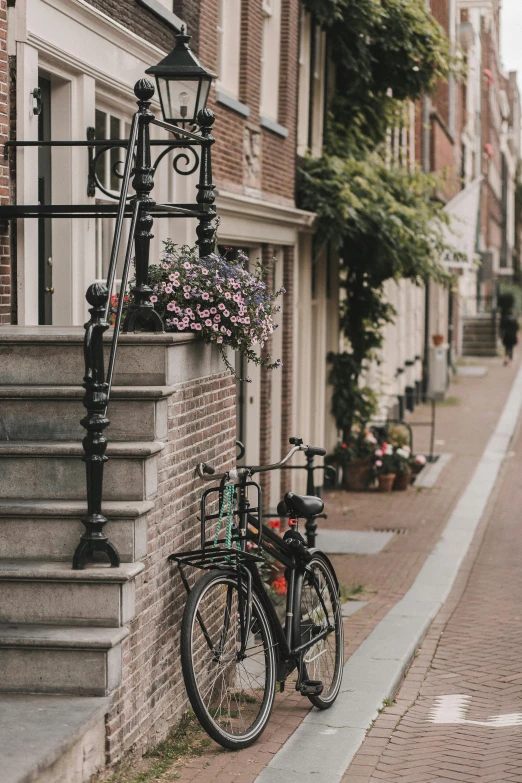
(323, 746)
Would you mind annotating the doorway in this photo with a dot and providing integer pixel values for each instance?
(45, 261)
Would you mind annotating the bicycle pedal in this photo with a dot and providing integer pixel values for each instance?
(311, 688)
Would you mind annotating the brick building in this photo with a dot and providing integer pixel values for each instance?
(73, 67)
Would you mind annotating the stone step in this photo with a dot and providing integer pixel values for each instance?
(32, 470)
(136, 413)
(53, 356)
(51, 529)
(60, 659)
(51, 739)
(477, 352)
(53, 594)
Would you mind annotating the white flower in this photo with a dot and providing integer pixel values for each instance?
(389, 450)
(403, 453)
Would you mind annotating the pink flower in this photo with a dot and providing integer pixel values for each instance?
(153, 298)
(227, 295)
(171, 306)
(233, 318)
(219, 339)
(378, 463)
(246, 320)
(229, 332)
(165, 266)
(208, 322)
(168, 289)
(420, 459)
(176, 283)
(224, 329)
(204, 271)
(378, 452)
(213, 311)
(181, 325)
(187, 265)
(215, 327)
(186, 288)
(187, 296)
(205, 295)
(221, 306)
(226, 313)
(173, 277)
(197, 327)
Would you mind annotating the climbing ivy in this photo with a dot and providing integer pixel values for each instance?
(382, 218)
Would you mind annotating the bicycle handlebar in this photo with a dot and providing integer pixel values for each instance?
(207, 473)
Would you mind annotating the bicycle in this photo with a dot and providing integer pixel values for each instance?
(234, 649)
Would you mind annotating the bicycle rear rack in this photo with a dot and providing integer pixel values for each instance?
(211, 555)
(214, 557)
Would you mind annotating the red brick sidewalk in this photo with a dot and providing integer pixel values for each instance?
(472, 650)
(420, 517)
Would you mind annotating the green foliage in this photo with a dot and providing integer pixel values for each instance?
(378, 46)
(352, 405)
(381, 218)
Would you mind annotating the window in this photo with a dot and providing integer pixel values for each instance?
(270, 59)
(109, 166)
(312, 84)
(109, 169)
(229, 31)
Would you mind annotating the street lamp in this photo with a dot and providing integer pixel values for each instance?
(183, 83)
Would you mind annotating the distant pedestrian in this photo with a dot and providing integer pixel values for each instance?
(509, 327)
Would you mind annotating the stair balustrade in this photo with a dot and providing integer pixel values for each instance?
(140, 315)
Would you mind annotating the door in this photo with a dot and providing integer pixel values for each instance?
(45, 261)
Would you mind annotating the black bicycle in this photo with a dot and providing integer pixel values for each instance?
(234, 649)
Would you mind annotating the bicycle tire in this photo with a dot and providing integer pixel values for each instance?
(324, 661)
(247, 686)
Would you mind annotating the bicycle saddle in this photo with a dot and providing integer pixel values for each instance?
(300, 505)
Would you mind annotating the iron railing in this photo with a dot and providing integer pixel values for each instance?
(141, 315)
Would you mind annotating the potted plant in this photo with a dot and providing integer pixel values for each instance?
(355, 458)
(216, 297)
(385, 467)
(437, 339)
(402, 456)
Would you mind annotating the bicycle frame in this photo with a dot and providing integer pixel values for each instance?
(245, 567)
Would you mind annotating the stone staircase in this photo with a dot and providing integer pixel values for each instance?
(61, 630)
(480, 337)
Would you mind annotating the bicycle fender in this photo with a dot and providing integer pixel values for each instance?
(316, 551)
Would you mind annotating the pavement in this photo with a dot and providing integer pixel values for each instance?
(405, 589)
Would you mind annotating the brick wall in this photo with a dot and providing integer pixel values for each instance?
(151, 695)
(5, 255)
(138, 19)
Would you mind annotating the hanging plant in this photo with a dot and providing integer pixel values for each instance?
(218, 298)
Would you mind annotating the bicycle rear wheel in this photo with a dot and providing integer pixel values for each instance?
(232, 697)
(317, 606)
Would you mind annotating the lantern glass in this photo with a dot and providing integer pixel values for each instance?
(182, 98)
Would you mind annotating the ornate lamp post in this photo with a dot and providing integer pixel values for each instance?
(183, 83)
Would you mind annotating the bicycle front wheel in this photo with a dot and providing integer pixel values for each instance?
(231, 694)
(317, 606)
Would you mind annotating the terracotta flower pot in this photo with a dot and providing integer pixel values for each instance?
(438, 339)
(357, 475)
(402, 481)
(386, 482)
